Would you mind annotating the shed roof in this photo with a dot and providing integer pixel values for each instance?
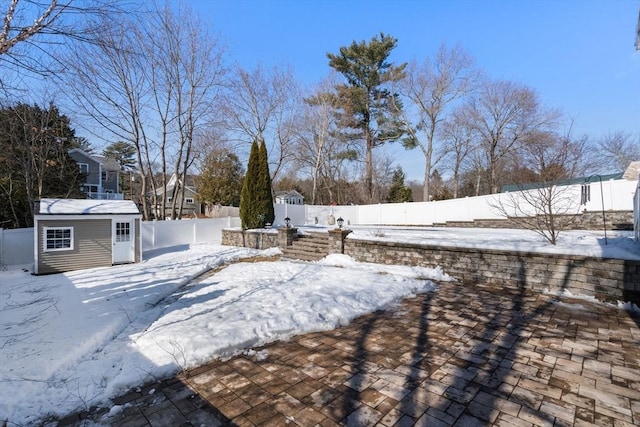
(288, 193)
(87, 207)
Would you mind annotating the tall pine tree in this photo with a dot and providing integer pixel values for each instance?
(220, 181)
(366, 106)
(266, 194)
(256, 199)
(398, 191)
(248, 198)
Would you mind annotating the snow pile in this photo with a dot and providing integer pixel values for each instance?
(70, 341)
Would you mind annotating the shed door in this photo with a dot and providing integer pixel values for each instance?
(123, 241)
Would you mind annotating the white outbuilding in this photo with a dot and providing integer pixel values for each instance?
(73, 234)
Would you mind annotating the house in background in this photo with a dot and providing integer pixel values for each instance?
(289, 197)
(72, 234)
(191, 208)
(102, 172)
(632, 173)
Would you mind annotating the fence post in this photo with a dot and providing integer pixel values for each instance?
(195, 231)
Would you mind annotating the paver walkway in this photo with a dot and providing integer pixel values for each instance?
(464, 355)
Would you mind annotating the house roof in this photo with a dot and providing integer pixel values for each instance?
(172, 183)
(569, 181)
(86, 207)
(108, 163)
(288, 193)
(632, 172)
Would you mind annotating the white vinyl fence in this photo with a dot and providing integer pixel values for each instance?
(608, 195)
(164, 234)
(636, 212)
(16, 246)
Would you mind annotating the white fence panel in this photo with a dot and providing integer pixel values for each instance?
(16, 246)
(210, 230)
(323, 214)
(164, 234)
(636, 211)
(296, 214)
(618, 195)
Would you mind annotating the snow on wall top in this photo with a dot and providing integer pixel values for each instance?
(86, 207)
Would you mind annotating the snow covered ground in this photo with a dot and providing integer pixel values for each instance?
(617, 244)
(70, 341)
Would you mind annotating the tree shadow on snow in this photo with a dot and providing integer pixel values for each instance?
(64, 300)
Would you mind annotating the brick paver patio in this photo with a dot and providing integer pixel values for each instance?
(464, 355)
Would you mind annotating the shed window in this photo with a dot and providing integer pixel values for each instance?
(123, 232)
(188, 200)
(58, 239)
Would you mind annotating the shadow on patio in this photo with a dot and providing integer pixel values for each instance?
(463, 355)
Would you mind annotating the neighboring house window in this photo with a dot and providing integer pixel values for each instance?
(90, 188)
(58, 239)
(188, 200)
(84, 167)
(104, 176)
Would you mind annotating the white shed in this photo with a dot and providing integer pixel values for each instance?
(73, 234)
(290, 197)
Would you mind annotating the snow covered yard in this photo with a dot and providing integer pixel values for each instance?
(70, 341)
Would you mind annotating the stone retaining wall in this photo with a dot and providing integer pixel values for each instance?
(255, 239)
(605, 279)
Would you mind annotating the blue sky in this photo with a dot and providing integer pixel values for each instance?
(578, 55)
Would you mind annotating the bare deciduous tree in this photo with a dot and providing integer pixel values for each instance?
(315, 137)
(616, 150)
(110, 85)
(32, 30)
(153, 84)
(319, 154)
(261, 105)
(457, 137)
(503, 115)
(188, 66)
(547, 206)
(432, 87)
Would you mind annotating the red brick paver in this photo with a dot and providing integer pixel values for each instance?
(464, 355)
